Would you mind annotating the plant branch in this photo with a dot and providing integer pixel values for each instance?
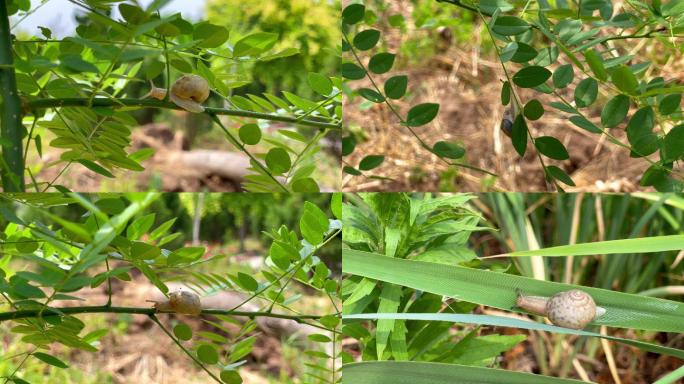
(55, 311)
(10, 119)
(151, 103)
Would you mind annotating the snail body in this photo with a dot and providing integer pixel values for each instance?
(180, 302)
(573, 309)
(188, 92)
(507, 120)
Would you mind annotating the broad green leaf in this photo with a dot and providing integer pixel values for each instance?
(185, 255)
(560, 175)
(381, 63)
(449, 150)
(182, 331)
(313, 224)
(640, 132)
(563, 75)
(210, 35)
(673, 145)
(278, 160)
(532, 76)
(519, 135)
(254, 44)
(585, 124)
(510, 25)
(306, 184)
(370, 162)
(670, 104)
(533, 110)
(615, 111)
(144, 251)
(371, 95)
(596, 64)
(207, 354)
(551, 147)
(422, 114)
(367, 39)
(624, 79)
(247, 282)
(353, 13)
(395, 87)
(352, 71)
(319, 83)
(586, 92)
(250, 134)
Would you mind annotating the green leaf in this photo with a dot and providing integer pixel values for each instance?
(585, 124)
(519, 135)
(381, 62)
(182, 331)
(306, 184)
(586, 92)
(414, 372)
(524, 53)
(254, 44)
(670, 103)
(313, 224)
(533, 110)
(448, 150)
(278, 160)
(532, 76)
(144, 251)
(75, 63)
(506, 93)
(640, 132)
(352, 71)
(596, 64)
(230, 377)
(563, 76)
(371, 95)
(351, 171)
(367, 39)
(336, 205)
(211, 35)
(395, 87)
(95, 168)
(319, 83)
(615, 111)
(353, 13)
(672, 8)
(247, 282)
(140, 226)
(422, 114)
(510, 25)
(673, 145)
(207, 354)
(551, 147)
(185, 255)
(624, 79)
(250, 134)
(559, 175)
(371, 161)
(348, 145)
(50, 359)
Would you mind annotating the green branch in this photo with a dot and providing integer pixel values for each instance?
(12, 173)
(151, 103)
(53, 311)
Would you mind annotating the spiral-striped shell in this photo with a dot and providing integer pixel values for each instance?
(571, 309)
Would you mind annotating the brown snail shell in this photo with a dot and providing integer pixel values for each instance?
(188, 92)
(570, 309)
(180, 301)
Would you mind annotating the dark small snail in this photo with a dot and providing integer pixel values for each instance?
(507, 120)
(570, 309)
(180, 301)
(188, 92)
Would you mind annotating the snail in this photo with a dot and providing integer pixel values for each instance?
(507, 120)
(180, 302)
(188, 92)
(570, 309)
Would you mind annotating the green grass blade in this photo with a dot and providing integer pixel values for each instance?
(640, 245)
(499, 321)
(499, 290)
(411, 372)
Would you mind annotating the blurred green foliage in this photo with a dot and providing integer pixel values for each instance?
(312, 26)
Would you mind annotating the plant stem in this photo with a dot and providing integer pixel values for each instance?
(11, 128)
(151, 103)
(54, 311)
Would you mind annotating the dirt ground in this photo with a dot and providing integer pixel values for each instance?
(467, 83)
